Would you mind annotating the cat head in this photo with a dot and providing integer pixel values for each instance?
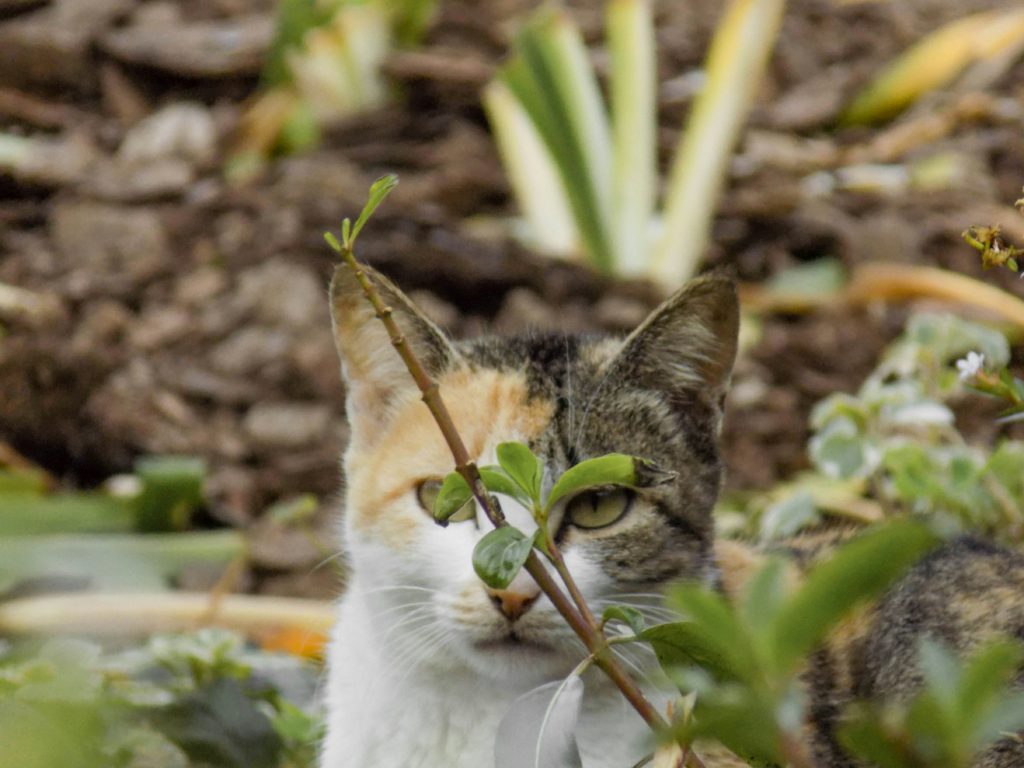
(655, 394)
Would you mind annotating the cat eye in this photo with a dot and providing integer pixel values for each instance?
(599, 509)
(426, 495)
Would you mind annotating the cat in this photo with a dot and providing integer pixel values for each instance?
(425, 660)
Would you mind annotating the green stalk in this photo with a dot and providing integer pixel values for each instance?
(532, 172)
(630, 26)
(738, 55)
(135, 562)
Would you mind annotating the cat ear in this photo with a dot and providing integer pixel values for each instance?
(374, 373)
(686, 346)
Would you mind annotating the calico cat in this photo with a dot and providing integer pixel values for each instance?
(425, 660)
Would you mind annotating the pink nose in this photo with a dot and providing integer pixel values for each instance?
(512, 603)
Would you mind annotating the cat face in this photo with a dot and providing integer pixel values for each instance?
(655, 394)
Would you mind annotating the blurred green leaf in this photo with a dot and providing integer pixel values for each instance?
(172, 489)
(26, 514)
(858, 571)
(220, 726)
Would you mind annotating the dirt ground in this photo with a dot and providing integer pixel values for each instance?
(169, 311)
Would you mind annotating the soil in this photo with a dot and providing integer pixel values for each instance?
(170, 311)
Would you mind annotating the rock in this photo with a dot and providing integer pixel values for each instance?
(252, 351)
(201, 49)
(282, 293)
(30, 308)
(287, 425)
(46, 162)
(52, 46)
(183, 130)
(122, 182)
(98, 241)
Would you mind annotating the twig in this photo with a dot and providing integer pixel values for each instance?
(583, 624)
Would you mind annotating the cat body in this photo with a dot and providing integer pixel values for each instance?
(425, 660)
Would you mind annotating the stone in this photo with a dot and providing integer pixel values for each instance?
(287, 424)
(96, 239)
(123, 182)
(201, 49)
(53, 46)
(183, 130)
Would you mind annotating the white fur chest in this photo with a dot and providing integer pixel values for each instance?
(380, 716)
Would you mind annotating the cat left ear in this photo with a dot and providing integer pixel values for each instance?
(687, 346)
(374, 373)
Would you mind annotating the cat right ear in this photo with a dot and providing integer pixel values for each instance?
(375, 375)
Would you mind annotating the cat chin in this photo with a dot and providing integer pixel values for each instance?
(519, 660)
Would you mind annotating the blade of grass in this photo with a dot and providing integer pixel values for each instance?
(738, 55)
(536, 183)
(549, 97)
(935, 61)
(631, 44)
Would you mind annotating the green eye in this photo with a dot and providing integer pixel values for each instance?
(426, 495)
(599, 509)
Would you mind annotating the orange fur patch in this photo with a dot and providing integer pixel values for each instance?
(488, 407)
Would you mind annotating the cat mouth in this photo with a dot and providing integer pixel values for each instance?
(513, 641)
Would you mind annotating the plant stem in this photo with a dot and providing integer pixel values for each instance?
(583, 624)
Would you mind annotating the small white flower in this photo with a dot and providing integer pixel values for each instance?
(970, 366)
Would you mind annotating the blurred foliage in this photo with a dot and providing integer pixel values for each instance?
(894, 448)
(180, 701)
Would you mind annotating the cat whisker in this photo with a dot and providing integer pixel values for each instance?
(401, 587)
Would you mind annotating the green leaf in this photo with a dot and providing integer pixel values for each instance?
(452, 497)
(500, 554)
(711, 636)
(628, 615)
(941, 671)
(172, 488)
(739, 52)
(496, 480)
(550, 78)
(857, 572)
(736, 715)
(380, 189)
(864, 735)
(633, 85)
(523, 467)
(612, 469)
(26, 514)
(983, 683)
(1007, 716)
(763, 596)
(221, 726)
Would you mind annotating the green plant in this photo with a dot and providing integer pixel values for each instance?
(323, 65)
(178, 702)
(584, 182)
(894, 448)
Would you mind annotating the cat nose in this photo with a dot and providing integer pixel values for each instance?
(513, 603)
